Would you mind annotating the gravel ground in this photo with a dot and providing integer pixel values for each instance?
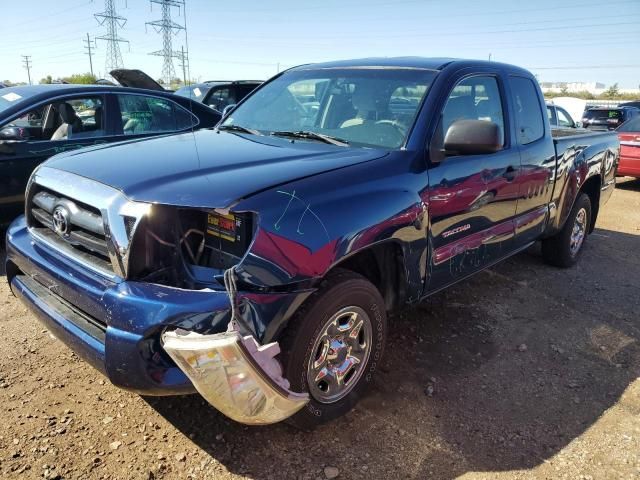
(524, 371)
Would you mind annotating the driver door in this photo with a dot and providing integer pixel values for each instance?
(471, 198)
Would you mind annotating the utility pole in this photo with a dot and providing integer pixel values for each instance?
(88, 47)
(183, 64)
(112, 21)
(167, 28)
(26, 60)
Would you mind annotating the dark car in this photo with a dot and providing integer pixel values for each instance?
(607, 118)
(219, 94)
(39, 121)
(256, 262)
(634, 103)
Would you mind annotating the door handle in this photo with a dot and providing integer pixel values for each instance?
(510, 173)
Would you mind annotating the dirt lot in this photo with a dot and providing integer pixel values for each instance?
(525, 371)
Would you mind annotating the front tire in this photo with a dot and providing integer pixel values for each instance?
(333, 346)
(564, 249)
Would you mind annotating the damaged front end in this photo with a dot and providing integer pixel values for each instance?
(151, 279)
(235, 374)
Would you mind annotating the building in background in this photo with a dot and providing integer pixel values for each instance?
(595, 88)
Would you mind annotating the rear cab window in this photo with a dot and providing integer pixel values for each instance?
(527, 110)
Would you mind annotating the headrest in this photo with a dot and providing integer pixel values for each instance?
(67, 112)
(364, 100)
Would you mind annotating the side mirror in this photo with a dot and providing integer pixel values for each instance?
(228, 109)
(14, 134)
(577, 124)
(473, 137)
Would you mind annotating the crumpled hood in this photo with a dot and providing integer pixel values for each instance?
(206, 168)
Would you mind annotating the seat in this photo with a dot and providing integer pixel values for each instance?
(90, 131)
(70, 122)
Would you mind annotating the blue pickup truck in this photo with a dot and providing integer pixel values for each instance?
(256, 262)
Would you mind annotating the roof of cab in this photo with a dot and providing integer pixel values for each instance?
(438, 63)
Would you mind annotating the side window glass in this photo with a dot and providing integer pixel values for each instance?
(141, 114)
(220, 98)
(474, 98)
(529, 125)
(551, 115)
(28, 126)
(563, 118)
(71, 119)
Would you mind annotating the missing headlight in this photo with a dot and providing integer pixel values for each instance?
(212, 242)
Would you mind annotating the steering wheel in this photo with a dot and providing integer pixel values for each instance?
(401, 128)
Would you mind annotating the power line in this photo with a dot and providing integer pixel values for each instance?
(87, 46)
(26, 60)
(113, 22)
(167, 28)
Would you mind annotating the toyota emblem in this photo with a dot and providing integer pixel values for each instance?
(61, 220)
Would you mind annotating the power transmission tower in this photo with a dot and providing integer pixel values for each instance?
(26, 59)
(110, 19)
(168, 28)
(87, 46)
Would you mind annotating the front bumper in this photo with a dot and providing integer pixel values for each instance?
(117, 326)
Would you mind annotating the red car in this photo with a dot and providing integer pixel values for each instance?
(629, 135)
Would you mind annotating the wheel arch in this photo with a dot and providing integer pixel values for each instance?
(592, 187)
(383, 264)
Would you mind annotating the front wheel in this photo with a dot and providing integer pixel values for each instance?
(333, 346)
(564, 248)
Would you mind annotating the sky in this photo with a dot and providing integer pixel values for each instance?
(571, 40)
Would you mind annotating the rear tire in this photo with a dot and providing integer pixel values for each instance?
(333, 345)
(564, 248)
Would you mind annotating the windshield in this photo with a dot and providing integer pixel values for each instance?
(10, 97)
(632, 125)
(371, 107)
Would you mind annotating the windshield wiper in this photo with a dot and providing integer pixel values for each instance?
(239, 128)
(313, 136)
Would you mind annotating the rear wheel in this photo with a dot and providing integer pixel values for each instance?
(333, 346)
(564, 248)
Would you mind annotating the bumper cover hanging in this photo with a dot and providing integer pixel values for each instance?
(235, 374)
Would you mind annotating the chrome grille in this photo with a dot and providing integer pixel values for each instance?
(83, 219)
(83, 227)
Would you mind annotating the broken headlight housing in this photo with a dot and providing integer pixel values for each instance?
(189, 248)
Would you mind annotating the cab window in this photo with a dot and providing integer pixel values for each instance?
(529, 124)
(474, 98)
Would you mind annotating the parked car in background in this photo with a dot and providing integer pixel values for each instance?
(2, 85)
(559, 117)
(607, 118)
(39, 121)
(255, 263)
(629, 135)
(219, 94)
(635, 104)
